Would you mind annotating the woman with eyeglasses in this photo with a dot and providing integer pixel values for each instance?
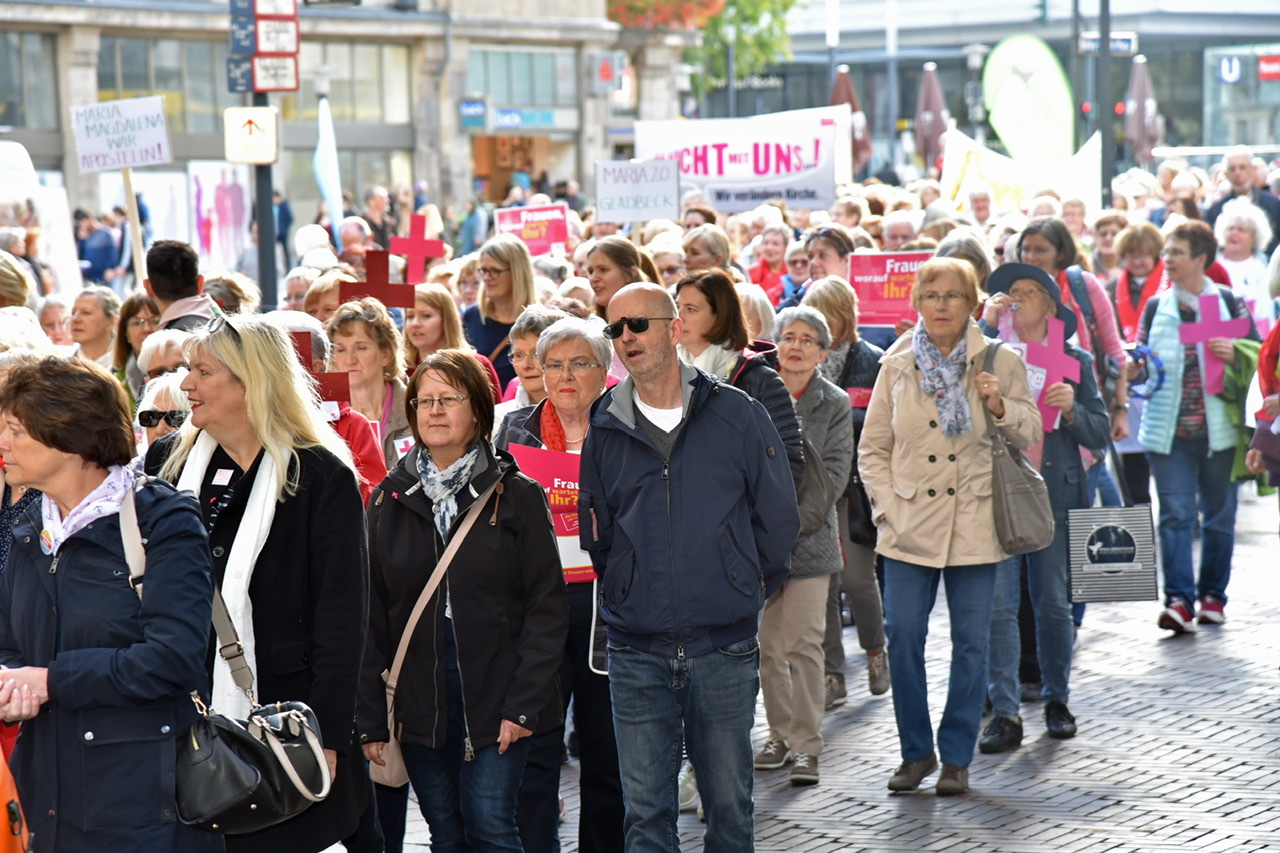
(280, 501)
(797, 273)
(1190, 431)
(852, 364)
(93, 324)
(575, 361)
(367, 347)
(668, 258)
(139, 317)
(828, 249)
(794, 620)
(529, 387)
(506, 289)
(98, 677)
(480, 674)
(925, 459)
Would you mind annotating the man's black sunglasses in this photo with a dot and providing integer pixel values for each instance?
(152, 418)
(637, 325)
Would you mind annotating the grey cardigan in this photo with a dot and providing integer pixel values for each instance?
(823, 410)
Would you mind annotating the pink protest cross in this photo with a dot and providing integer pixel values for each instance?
(417, 249)
(377, 284)
(1211, 325)
(332, 386)
(1057, 364)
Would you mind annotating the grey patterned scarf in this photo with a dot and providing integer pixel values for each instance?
(943, 380)
(442, 487)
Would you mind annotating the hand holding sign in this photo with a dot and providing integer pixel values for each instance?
(1216, 333)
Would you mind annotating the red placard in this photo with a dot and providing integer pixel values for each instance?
(883, 281)
(859, 398)
(544, 229)
(558, 475)
(1269, 67)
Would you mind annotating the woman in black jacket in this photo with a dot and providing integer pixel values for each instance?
(715, 340)
(480, 676)
(853, 364)
(280, 501)
(100, 678)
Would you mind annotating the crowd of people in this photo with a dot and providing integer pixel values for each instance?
(739, 470)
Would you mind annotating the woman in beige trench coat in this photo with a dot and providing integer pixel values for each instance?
(925, 459)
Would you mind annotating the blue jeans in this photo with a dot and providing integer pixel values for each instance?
(1048, 585)
(1187, 478)
(470, 806)
(657, 701)
(909, 594)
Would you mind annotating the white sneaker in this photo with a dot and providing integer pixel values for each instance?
(689, 798)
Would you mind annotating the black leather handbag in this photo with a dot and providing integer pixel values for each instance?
(238, 776)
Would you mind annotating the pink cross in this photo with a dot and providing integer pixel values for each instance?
(332, 386)
(1058, 365)
(1211, 326)
(417, 249)
(377, 284)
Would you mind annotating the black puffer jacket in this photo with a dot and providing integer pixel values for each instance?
(506, 593)
(757, 374)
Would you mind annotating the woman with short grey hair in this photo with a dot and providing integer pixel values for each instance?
(527, 388)
(575, 360)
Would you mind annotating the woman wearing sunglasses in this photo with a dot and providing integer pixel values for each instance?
(279, 498)
(164, 407)
(480, 675)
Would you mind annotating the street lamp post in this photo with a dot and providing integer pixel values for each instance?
(833, 37)
(975, 56)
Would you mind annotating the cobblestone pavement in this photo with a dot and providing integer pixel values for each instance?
(1178, 750)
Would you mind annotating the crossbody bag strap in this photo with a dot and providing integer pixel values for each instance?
(497, 351)
(230, 647)
(135, 555)
(434, 582)
(989, 366)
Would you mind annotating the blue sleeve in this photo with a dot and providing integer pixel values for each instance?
(595, 523)
(174, 614)
(1089, 426)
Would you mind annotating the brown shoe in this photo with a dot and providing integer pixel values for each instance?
(910, 774)
(954, 780)
(878, 672)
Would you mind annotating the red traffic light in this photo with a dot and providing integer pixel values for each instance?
(1086, 107)
(1119, 108)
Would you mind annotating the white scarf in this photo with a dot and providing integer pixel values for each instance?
(715, 359)
(251, 535)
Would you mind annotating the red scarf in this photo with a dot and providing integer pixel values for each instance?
(1130, 314)
(553, 437)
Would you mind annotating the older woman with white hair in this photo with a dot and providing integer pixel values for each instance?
(575, 358)
(1243, 234)
(93, 324)
(164, 407)
(162, 353)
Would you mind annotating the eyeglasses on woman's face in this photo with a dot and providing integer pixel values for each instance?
(448, 404)
(578, 365)
(492, 272)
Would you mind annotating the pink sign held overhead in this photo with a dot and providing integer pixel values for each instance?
(417, 249)
(1052, 357)
(1210, 326)
(544, 229)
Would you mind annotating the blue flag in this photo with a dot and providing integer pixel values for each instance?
(325, 166)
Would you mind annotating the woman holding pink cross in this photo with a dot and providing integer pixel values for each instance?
(1202, 333)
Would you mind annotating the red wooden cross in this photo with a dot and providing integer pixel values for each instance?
(1211, 326)
(377, 284)
(1057, 364)
(332, 386)
(417, 249)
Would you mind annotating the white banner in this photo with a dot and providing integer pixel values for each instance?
(121, 134)
(966, 164)
(637, 191)
(740, 163)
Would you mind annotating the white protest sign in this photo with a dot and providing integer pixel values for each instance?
(121, 134)
(637, 191)
(798, 156)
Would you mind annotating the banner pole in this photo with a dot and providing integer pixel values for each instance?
(135, 229)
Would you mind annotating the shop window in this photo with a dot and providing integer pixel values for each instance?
(201, 103)
(528, 78)
(368, 83)
(28, 83)
(167, 62)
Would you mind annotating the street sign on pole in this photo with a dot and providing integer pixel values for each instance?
(275, 73)
(250, 134)
(239, 74)
(1122, 43)
(277, 36)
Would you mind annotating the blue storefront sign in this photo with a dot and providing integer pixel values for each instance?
(472, 115)
(521, 119)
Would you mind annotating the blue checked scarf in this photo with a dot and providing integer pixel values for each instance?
(943, 380)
